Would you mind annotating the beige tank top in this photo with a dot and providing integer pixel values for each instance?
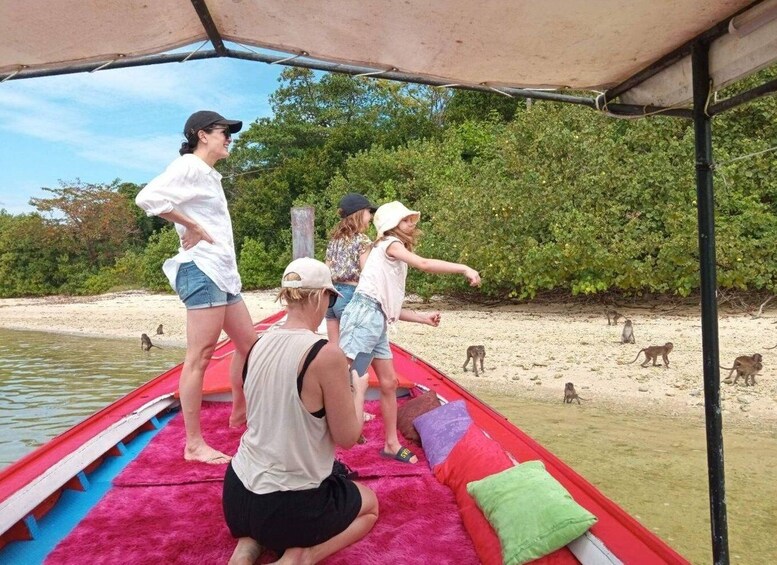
(383, 279)
(285, 447)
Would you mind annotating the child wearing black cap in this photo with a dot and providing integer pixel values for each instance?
(346, 254)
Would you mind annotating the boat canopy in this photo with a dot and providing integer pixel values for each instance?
(634, 55)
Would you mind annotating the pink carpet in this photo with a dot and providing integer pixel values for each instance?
(161, 462)
(164, 510)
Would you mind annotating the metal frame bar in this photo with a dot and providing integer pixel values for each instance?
(702, 125)
(315, 64)
(718, 30)
(769, 87)
(210, 27)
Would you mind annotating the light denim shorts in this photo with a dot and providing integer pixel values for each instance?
(363, 329)
(197, 290)
(336, 312)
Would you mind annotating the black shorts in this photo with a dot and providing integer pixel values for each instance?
(294, 518)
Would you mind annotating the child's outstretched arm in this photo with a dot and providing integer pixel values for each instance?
(428, 318)
(434, 266)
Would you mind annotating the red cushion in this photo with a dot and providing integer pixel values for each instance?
(474, 457)
(413, 408)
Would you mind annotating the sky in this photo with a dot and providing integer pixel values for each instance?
(115, 124)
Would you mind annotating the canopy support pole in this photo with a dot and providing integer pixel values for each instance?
(702, 124)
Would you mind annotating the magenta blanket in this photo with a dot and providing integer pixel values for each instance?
(164, 510)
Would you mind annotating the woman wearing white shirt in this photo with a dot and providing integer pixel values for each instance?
(204, 272)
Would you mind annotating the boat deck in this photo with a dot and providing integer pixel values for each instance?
(137, 501)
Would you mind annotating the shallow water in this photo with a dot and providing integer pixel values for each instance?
(656, 469)
(49, 382)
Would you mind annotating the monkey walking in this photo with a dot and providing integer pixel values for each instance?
(145, 343)
(612, 316)
(570, 394)
(159, 330)
(628, 332)
(747, 366)
(476, 353)
(653, 352)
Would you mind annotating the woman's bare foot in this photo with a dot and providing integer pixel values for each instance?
(205, 454)
(246, 552)
(295, 556)
(237, 419)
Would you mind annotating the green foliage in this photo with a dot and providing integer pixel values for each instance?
(161, 246)
(546, 197)
(29, 252)
(260, 267)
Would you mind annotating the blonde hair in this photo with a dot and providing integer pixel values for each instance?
(296, 297)
(409, 240)
(350, 225)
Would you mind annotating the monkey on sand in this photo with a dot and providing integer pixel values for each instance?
(475, 352)
(653, 352)
(747, 366)
(570, 394)
(628, 332)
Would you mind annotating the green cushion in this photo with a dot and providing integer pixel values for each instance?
(533, 515)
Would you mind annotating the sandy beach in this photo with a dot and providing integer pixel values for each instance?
(532, 350)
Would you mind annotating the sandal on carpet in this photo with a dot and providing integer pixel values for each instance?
(404, 455)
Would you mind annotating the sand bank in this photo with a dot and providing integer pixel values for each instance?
(532, 350)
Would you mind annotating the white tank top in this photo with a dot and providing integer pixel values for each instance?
(285, 447)
(383, 279)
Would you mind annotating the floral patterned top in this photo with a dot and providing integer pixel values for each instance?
(342, 257)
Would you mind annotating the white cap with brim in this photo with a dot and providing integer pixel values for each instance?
(389, 215)
(313, 274)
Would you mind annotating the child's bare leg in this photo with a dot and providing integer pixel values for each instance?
(359, 528)
(246, 552)
(384, 370)
(333, 330)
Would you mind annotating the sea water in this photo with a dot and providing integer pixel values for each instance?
(49, 382)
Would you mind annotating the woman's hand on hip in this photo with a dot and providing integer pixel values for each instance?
(193, 235)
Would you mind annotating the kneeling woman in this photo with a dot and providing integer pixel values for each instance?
(279, 490)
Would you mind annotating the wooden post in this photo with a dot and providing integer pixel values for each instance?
(302, 219)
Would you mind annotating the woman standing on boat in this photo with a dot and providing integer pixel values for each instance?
(280, 490)
(204, 272)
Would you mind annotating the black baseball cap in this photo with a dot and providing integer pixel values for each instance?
(353, 202)
(204, 118)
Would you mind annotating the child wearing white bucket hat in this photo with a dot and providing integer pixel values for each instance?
(377, 303)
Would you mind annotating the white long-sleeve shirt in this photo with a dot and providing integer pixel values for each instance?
(191, 186)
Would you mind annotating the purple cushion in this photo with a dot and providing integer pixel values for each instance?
(440, 429)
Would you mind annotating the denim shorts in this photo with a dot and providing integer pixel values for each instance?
(336, 311)
(197, 290)
(363, 328)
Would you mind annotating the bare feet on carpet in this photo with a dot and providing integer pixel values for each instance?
(296, 556)
(237, 420)
(206, 454)
(246, 552)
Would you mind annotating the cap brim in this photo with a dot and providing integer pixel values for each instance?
(233, 125)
